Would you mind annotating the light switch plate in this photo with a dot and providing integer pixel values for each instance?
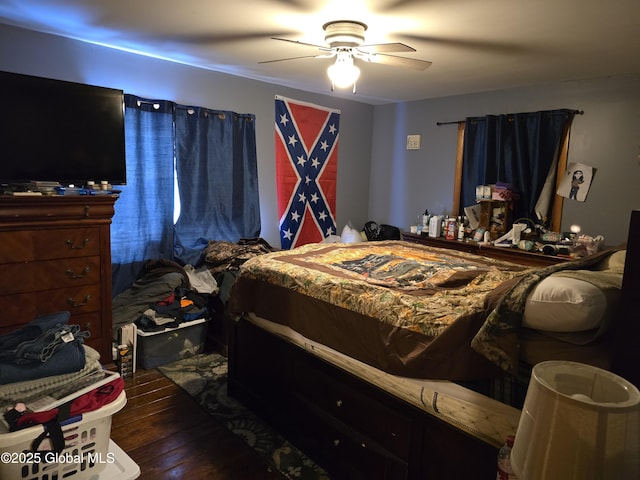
(413, 142)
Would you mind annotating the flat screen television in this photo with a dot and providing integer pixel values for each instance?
(58, 131)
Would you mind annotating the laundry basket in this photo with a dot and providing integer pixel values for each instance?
(85, 454)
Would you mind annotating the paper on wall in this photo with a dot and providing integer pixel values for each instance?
(576, 182)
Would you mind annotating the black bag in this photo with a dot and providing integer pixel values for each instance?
(374, 232)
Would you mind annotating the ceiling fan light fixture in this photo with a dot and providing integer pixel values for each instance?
(344, 33)
(343, 73)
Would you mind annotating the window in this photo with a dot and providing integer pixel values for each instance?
(526, 150)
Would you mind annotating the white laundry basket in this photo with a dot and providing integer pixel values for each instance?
(85, 454)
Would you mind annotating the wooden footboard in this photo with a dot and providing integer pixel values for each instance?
(350, 427)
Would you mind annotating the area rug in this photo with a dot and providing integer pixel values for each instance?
(204, 377)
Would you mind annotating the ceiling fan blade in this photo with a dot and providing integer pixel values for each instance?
(386, 47)
(397, 61)
(295, 58)
(300, 5)
(471, 44)
(394, 5)
(298, 42)
(212, 38)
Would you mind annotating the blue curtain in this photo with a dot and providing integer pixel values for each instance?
(142, 226)
(519, 149)
(216, 165)
(213, 156)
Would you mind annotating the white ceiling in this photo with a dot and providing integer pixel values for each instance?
(475, 45)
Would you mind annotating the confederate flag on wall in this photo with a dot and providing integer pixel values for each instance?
(306, 169)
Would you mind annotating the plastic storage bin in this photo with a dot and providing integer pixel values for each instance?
(171, 344)
(86, 453)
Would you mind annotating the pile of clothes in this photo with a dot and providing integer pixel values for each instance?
(164, 295)
(224, 259)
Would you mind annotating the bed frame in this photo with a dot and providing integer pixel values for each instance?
(356, 430)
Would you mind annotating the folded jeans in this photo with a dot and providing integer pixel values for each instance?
(68, 358)
(46, 346)
(39, 340)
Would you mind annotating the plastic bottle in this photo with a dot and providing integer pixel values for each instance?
(505, 472)
(434, 226)
(425, 220)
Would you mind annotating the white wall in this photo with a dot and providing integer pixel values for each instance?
(607, 137)
(33, 53)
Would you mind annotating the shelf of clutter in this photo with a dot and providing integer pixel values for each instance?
(514, 255)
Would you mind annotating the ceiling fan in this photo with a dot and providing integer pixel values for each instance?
(345, 41)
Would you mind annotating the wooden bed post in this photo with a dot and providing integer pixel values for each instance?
(457, 184)
(626, 359)
(558, 201)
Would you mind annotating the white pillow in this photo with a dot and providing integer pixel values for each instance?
(562, 304)
(350, 234)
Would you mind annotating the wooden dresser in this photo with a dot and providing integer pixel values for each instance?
(55, 255)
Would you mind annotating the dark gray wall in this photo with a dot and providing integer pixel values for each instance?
(607, 137)
(33, 53)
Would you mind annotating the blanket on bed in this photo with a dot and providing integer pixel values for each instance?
(400, 283)
(408, 309)
(404, 308)
(497, 339)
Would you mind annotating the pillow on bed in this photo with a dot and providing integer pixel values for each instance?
(350, 234)
(563, 304)
(614, 262)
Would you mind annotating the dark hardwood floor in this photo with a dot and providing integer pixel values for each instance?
(170, 436)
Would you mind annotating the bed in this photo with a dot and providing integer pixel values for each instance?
(375, 358)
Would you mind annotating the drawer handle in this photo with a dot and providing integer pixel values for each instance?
(77, 247)
(338, 403)
(73, 275)
(73, 303)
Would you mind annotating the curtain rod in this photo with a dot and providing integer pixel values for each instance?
(190, 109)
(577, 112)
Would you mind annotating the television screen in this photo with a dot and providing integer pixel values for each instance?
(57, 131)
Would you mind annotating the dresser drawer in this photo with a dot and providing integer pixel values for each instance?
(78, 300)
(16, 246)
(344, 452)
(17, 309)
(69, 272)
(22, 308)
(28, 245)
(66, 243)
(362, 410)
(48, 274)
